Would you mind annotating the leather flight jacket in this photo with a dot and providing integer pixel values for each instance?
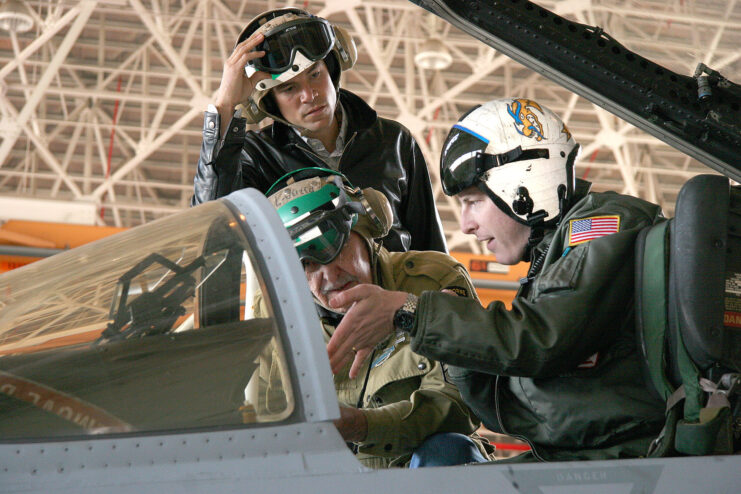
(379, 153)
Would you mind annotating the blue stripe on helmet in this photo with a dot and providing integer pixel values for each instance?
(469, 131)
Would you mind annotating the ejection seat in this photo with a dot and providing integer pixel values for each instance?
(688, 311)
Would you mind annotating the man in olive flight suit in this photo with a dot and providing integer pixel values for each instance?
(399, 399)
(561, 369)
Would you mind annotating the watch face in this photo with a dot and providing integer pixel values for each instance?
(403, 320)
(404, 317)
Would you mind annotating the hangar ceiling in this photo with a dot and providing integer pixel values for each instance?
(101, 102)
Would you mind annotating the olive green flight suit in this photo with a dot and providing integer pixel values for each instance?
(561, 369)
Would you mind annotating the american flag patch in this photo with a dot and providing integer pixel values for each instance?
(587, 229)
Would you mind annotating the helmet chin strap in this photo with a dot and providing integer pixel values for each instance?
(327, 313)
(536, 235)
(536, 221)
(537, 232)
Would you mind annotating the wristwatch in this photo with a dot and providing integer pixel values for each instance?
(404, 316)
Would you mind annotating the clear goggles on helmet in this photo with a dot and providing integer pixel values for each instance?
(463, 160)
(322, 235)
(313, 36)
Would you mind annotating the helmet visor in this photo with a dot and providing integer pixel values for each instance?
(313, 36)
(459, 164)
(463, 160)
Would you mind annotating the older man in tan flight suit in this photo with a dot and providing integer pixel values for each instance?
(400, 410)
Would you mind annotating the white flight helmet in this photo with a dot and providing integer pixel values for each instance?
(520, 152)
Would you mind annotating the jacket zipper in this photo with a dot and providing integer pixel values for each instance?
(344, 150)
(311, 152)
(361, 399)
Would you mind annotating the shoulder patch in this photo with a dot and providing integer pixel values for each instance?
(586, 229)
(458, 290)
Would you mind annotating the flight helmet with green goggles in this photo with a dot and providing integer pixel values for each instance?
(320, 211)
(294, 41)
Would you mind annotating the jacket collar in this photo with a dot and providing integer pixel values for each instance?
(581, 189)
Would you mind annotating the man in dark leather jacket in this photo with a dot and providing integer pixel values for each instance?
(315, 124)
(562, 368)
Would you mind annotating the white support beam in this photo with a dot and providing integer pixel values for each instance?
(165, 43)
(49, 31)
(142, 154)
(462, 86)
(374, 52)
(71, 146)
(710, 50)
(43, 151)
(85, 8)
(173, 24)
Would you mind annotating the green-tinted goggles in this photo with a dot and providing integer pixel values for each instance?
(322, 235)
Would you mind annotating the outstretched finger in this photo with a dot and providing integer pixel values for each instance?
(339, 362)
(338, 355)
(357, 364)
(337, 342)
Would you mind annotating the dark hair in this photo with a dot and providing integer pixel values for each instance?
(333, 66)
(270, 106)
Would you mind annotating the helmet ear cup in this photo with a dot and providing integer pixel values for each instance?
(347, 52)
(523, 203)
(377, 223)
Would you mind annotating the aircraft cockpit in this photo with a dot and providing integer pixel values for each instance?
(135, 363)
(151, 330)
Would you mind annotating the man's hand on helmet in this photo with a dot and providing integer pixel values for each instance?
(235, 86)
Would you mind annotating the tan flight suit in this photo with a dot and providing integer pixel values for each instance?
(406, 397)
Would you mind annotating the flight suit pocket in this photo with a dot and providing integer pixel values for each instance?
(562, 274)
